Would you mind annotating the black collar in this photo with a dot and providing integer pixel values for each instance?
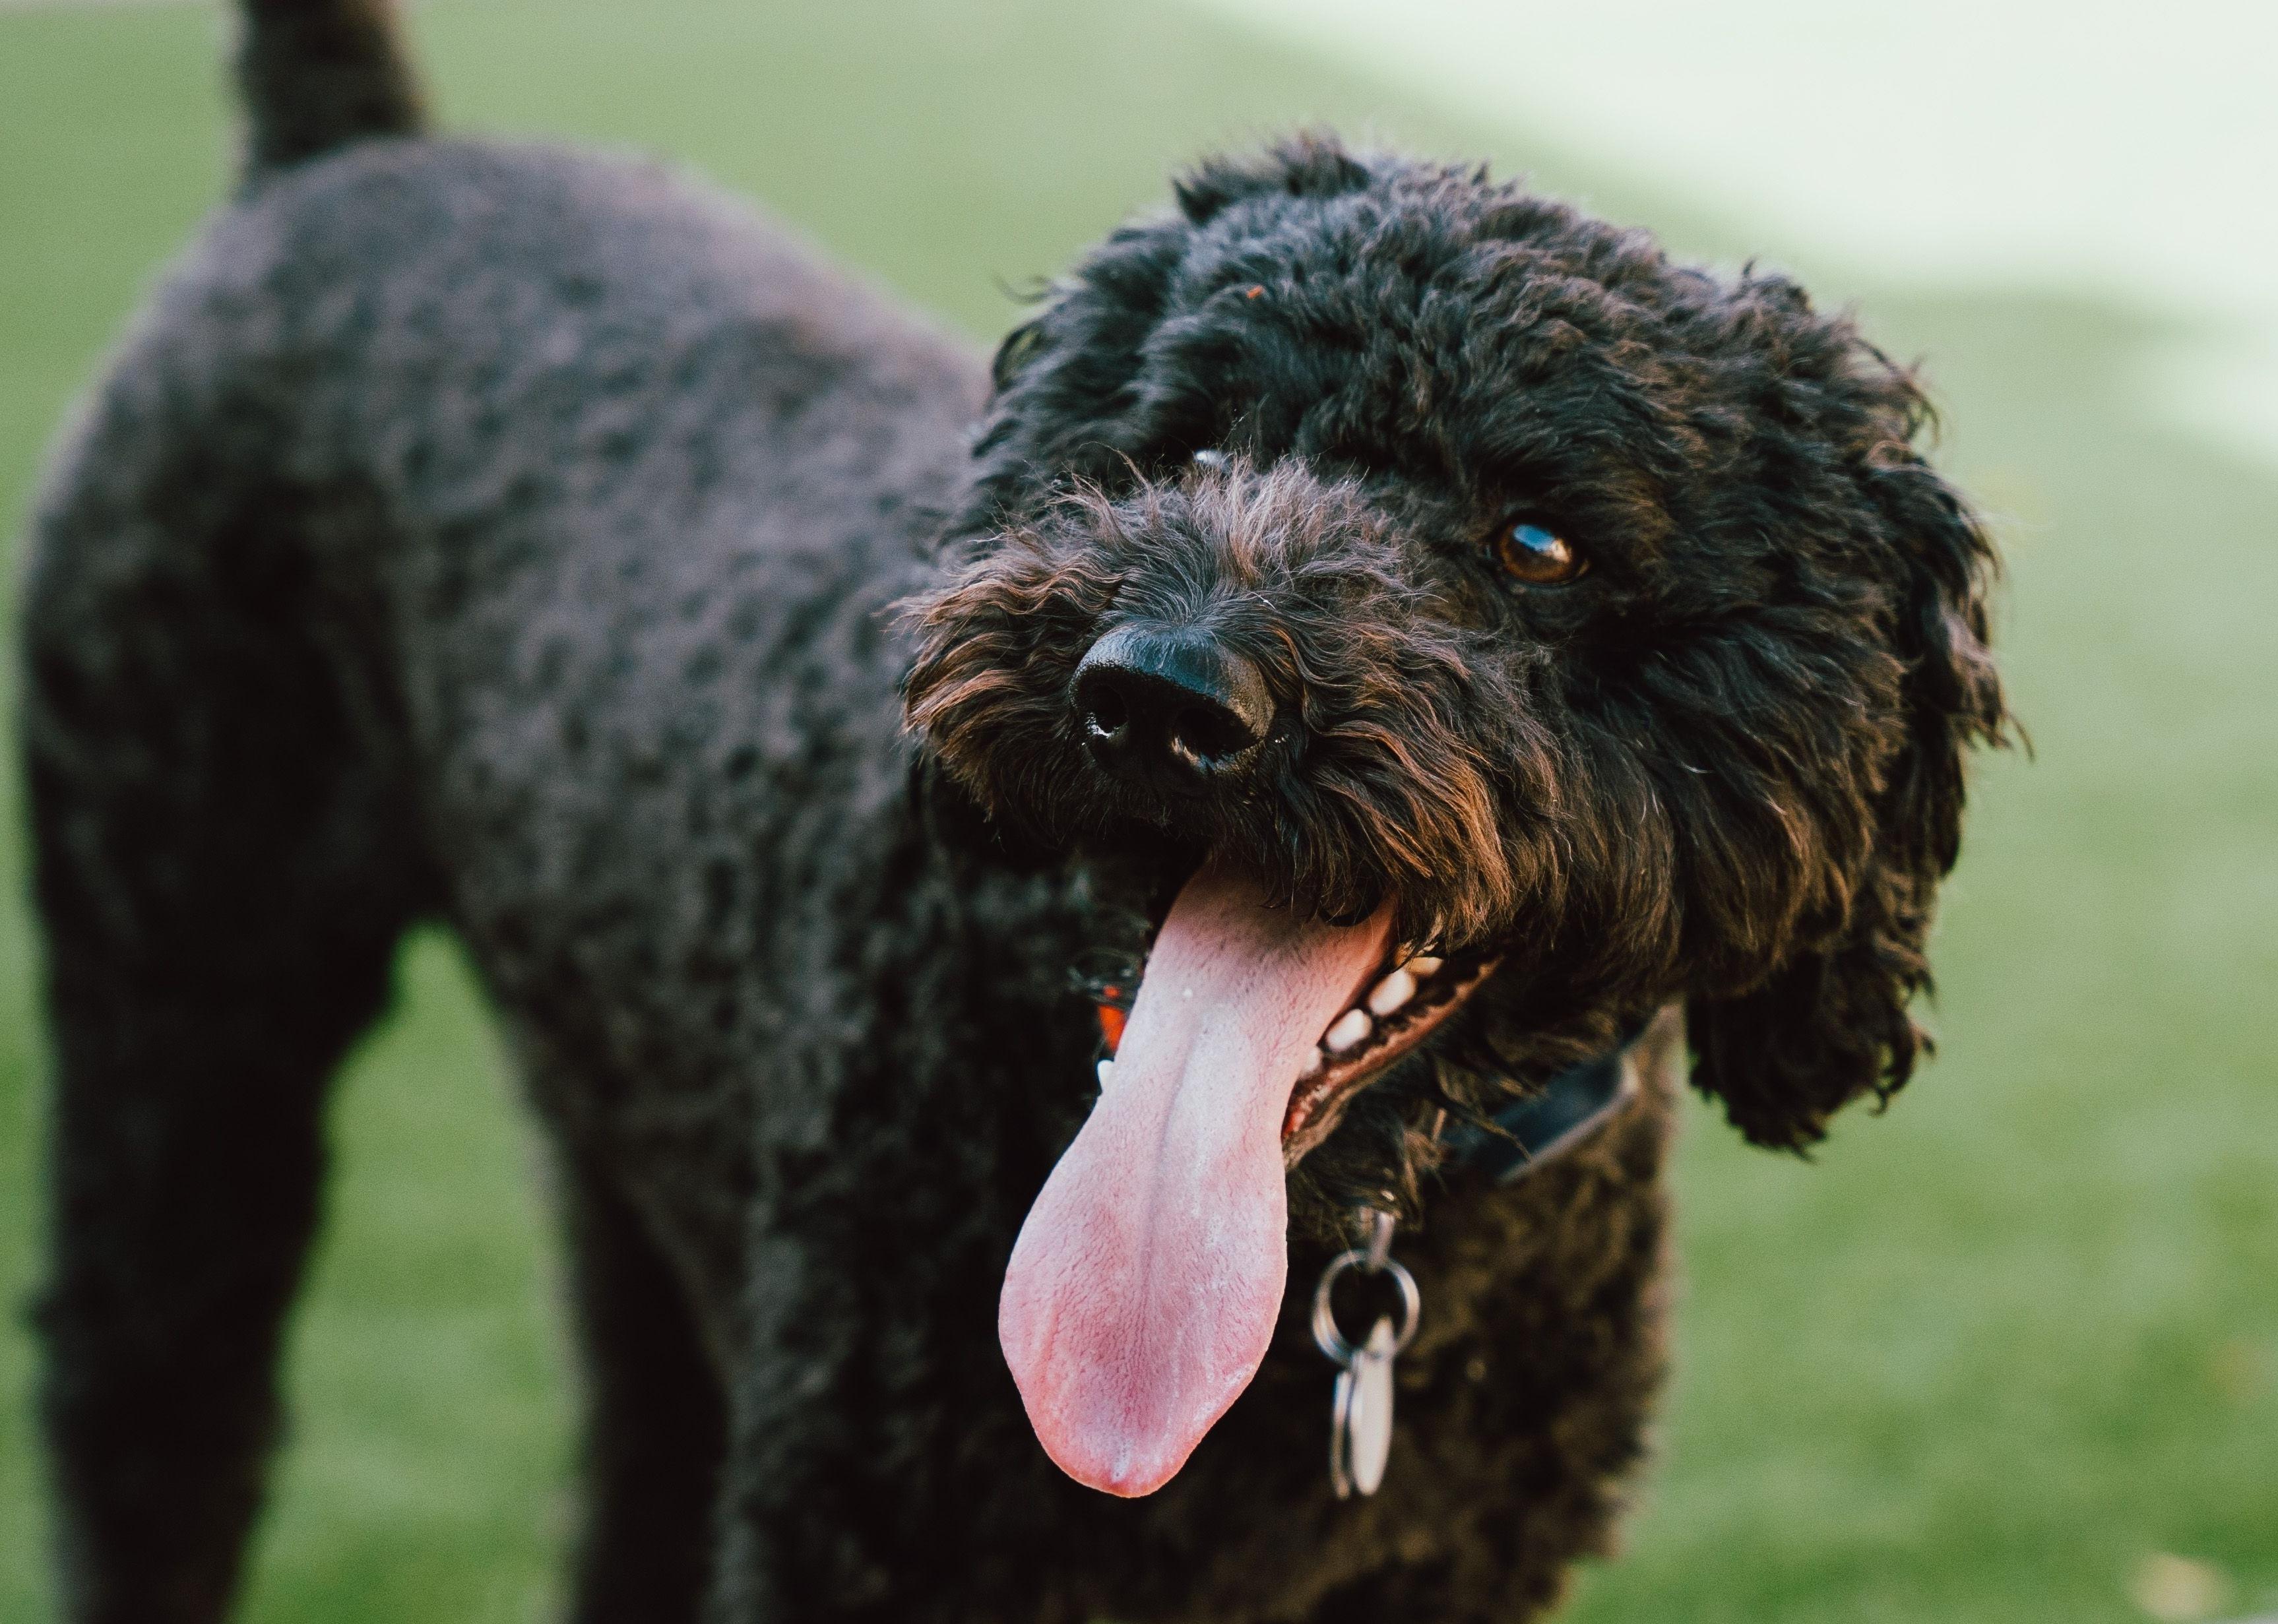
(1529, 1133)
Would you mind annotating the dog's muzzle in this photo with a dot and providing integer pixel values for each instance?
(1171, 708)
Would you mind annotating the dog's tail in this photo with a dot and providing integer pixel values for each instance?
(319, 74)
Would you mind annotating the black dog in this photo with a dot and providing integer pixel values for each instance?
(1372, 589)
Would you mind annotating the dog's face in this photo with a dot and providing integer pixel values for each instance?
(1373, 565)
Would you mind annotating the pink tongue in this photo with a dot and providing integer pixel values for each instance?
(1143, 1288)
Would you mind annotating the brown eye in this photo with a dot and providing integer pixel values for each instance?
(1536, 556)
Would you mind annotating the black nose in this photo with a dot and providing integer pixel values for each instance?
(1170, 705)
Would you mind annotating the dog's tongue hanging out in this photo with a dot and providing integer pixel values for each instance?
(1143, 1288)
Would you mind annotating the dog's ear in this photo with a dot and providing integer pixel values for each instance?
(1832, 1022)
(1064, 405)
(1082, 387)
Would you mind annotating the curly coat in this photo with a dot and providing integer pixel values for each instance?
(510, 538)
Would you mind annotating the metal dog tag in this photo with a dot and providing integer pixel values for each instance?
(1360, 1424)
(1360, 1414)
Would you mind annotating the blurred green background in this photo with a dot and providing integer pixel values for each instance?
(2009, 1353)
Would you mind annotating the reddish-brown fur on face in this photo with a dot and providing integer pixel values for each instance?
(1724, 765)
(1374, 791)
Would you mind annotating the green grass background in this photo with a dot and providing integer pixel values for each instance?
(1979, 1362)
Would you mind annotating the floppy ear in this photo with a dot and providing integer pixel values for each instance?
(1073, 394)
(1063, 402)
(1832, 1024)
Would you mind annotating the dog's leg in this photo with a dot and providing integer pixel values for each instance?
(223, 885)
(656, 1426)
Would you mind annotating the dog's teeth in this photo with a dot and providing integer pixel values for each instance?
(1351, 1032)
(1392, 992)
(1423, 965)
(1106, 1075)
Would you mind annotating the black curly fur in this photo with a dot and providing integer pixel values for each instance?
(512, 538)
(1724, 765)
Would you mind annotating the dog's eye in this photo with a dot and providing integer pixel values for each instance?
(1536, 556)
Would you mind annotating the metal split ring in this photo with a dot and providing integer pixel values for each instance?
(1327, 1337)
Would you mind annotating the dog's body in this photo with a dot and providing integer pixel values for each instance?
(508, 538)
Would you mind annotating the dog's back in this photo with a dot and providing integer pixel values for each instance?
(416, 428)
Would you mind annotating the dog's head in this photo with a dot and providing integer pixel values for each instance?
(1421, 600)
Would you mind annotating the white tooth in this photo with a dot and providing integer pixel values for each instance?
(1423, 967)
(1351, 1032)
(1389, 993)
(1106, 1075)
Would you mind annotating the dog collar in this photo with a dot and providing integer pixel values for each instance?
(1529, 1133)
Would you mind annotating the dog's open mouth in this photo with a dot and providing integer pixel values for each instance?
(1143, 1288)
(1403, 1005)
